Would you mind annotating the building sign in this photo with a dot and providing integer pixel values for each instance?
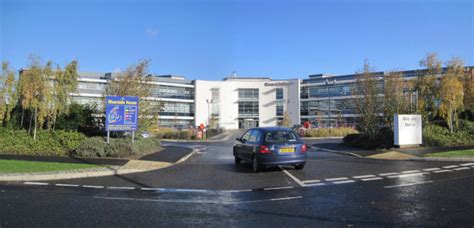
(278, 83)
(407, 130)
(121, 113)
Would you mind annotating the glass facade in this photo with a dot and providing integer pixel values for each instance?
(248, 102)
(176, 109)
(165, 91)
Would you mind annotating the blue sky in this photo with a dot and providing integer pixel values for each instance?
(208, 39)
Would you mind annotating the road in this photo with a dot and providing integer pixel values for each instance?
(210, 190)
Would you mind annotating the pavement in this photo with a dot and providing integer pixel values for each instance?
(208, 189)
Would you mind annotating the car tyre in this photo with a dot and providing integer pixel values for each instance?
(255, 166)
(299, 166)
(237, 159)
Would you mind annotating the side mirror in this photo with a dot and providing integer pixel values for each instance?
(238, 139)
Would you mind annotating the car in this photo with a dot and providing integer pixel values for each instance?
(270, 146)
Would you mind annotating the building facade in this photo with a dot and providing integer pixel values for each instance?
(245, 102)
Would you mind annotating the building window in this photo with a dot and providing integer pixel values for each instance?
(248, 94)
(279, 108)
(248, 108)
(279, 93)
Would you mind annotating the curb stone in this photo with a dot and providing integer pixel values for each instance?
(94, 172)
(453, 159)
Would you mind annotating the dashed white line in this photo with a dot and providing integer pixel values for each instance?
(311, 181)
(431, 169)
(443, 171)
(152, 189)
(92, 186)
(450, 166)
(337, 179)
(286, 198)
(406, 175)
(411, 171)
(36, 183)
(67, 185)
(344, 182)
(363, 176)
(387, 174)
(372, 179)
(276, 188)
(314, 185)
(124, 188)
(467, 164)
(462, 168)
(232, 191)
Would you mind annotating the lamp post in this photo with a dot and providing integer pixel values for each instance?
(328, 83)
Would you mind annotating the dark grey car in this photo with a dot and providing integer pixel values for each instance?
(270, 146)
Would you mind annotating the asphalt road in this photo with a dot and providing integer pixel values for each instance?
(209, 190)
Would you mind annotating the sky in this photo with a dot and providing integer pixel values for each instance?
(210, 39)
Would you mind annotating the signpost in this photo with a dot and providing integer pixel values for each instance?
(121, 114)
(407, 130)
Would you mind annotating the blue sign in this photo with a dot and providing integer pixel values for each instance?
(121, 113)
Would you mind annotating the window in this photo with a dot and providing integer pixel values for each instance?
(248, 108)
(246, 136)
(254, 136)
(248, 94)
(281, 136)
(279, 93)
(279, 108)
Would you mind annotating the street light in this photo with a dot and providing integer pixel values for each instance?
(328, 83)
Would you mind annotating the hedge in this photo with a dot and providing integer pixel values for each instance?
(48, 143)
(329, 132)
(120, 147)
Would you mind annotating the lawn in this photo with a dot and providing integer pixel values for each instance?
(453, 153)
(15, 166)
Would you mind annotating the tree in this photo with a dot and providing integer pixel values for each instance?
(395, 101)
(452, 93)
(35, 92)
(65, 82)
(136, 81)
(366, 101)
(426, 86)
(286, 120)
(7, 92)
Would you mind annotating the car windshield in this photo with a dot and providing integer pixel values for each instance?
(281, 136)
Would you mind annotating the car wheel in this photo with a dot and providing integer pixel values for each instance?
(237, 159)
(255, 165)
(299, 166)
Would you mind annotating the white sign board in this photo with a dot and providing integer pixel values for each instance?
(407, 130)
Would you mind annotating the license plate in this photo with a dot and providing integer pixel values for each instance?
(287, 150)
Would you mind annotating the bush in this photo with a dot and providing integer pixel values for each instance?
(329, 132)
(435, 135)
(168, 133)
(120, 147)
(383, 140)
(48, 143)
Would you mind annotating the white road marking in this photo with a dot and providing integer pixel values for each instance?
(450, 166)
(406, 175)
(292, 177)
(314, 185)
(443, 171)
(152, 189)
(198, 201)
(344, 182)
(467, 164)
(431, 169)
(462, 168)
(387, 174)
(287, 198)
(92, 186)
(67, 185)
(190, 190)
(276, 188)
(36, 183)
(337, 179)
(372, 179)
(411, 171)
(364, 176)
(311, 181)
(244, 190)
(125, 188)
(410, 184)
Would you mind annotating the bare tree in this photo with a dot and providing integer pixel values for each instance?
(395, 102)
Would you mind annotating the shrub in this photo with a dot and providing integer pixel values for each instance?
(120, 148)
(48, 143)
(434, 135)
(174, 134)
(383, 140)
(92, 147)
(328, 132)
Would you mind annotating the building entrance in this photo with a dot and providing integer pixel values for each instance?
(248, 123)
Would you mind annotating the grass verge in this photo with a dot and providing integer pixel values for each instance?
(453, 153)
(16, 166)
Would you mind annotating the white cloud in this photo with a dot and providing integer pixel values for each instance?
(151, 32)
